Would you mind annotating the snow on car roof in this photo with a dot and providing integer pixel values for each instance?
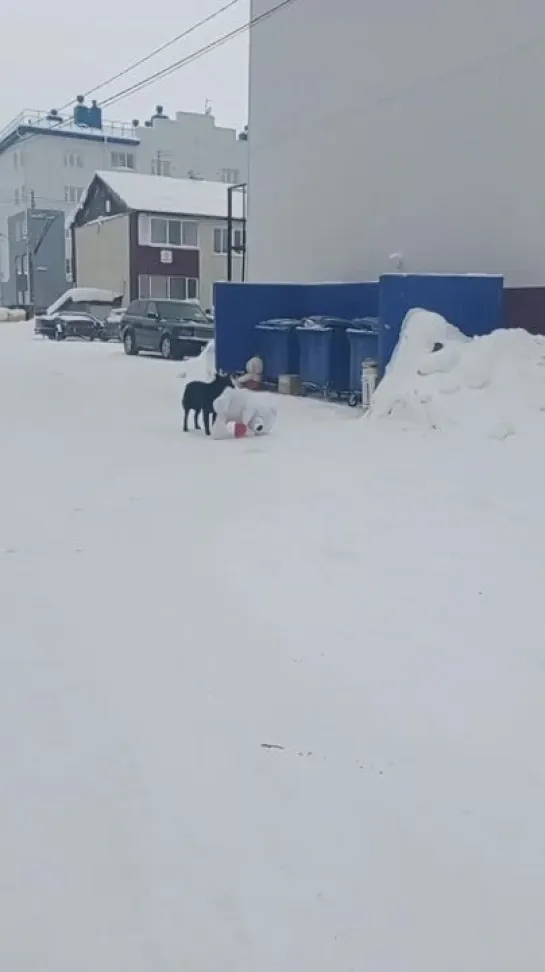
(84, 295)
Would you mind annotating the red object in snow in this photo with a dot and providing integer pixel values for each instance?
(240, 430)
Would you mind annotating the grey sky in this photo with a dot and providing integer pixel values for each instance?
(53, 51)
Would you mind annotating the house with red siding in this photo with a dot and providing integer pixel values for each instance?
(154, 236)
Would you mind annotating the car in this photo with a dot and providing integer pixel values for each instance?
(114, 322)
(171, 328)
(70, 324)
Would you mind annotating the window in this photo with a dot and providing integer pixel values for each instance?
(168, 232)
(16, 197)
(161, 166)
(122, 160)
(158, 287)
(159, 231)
(107, 206)
(137, 307)
(177, 288)
(172, 288)
(18, 265)
(19, 231)
(73, 194)
(190, 234)
(221, 239)
(73, 160)
(230, 175)
(68, 269)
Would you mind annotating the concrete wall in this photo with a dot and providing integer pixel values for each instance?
(402, 128)
(102, 255)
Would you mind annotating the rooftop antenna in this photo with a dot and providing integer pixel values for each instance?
(207, 107)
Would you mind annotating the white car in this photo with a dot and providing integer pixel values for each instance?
(113, 322)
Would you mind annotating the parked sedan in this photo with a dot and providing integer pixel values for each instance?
(171, 328)
(70, 324)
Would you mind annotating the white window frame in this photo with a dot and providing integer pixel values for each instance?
(162, 167)
(230, 176)
(237, 235)
(145, 287)
(73, 160)
(122, 160)
(73, 194)
(145, 229)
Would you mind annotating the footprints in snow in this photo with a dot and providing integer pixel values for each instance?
(363, 767)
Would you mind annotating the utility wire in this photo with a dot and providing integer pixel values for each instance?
(200, 52)
(131, 67)
(176, 65)
(158, 50)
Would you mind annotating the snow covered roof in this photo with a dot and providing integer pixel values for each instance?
(162, 194)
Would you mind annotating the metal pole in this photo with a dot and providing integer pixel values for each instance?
(230, 191)
(244, 217)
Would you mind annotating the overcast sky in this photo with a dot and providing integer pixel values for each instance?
(53, 51)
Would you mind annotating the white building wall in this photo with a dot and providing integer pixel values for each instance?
(192, 143)
(103, 255)
(397, 128)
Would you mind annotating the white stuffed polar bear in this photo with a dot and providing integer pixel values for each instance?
(237, 406)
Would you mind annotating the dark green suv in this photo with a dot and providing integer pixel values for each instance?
(171, 328)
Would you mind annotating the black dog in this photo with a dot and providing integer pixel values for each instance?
(199, 396)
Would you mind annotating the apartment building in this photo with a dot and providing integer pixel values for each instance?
(48, 159)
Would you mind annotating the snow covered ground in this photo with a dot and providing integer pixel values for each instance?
(265, 706)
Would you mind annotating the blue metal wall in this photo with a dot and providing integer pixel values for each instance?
(473, 304)
(239, 307)
(347, 300)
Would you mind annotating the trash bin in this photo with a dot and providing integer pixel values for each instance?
(314, 356)
(363, 343)
(324, 355)
(278, 348)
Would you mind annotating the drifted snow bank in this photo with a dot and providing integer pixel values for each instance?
(201, 368)
(7, 315)
(439, 378)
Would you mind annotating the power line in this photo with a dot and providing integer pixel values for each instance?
(175, 66)
(206, 49)
(158, 50)
(131, 67)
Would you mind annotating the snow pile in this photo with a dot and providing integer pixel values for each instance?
(201, 368)
(439, 378)
(11, 315)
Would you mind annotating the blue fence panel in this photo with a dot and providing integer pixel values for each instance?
(341, 299)
(239, 307)
(474, 304)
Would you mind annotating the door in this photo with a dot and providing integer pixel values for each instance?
(138, 315)
(150, 327)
